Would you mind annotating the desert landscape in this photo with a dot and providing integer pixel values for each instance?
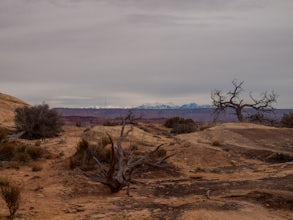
(146, 109)
(222, 171)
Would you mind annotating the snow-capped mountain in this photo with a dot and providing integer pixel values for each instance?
(171, 106)
(193, 106)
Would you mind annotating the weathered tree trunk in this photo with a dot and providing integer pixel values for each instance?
(120, 170)
(239, 114)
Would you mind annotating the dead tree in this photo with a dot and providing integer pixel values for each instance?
(233, 100)
(118, 174)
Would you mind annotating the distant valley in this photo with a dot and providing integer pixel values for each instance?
(99, 116)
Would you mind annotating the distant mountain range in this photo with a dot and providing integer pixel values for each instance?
(171, 106)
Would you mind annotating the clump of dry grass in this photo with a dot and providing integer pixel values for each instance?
(3, 134)
(17, 151)
(38, 143)
(216, 143)
(161, 152)
(83, 156)
(36, 167)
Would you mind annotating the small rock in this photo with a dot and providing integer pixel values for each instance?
(100, 216)
(157, 210)
(80, 209)
(61, 154)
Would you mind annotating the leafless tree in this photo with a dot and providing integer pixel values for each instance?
(233, 100)
(118, 174)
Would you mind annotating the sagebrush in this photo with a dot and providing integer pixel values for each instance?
(38, 122)
(180, 125)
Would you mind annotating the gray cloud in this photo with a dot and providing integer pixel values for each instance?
(189, 4)
(137, 51)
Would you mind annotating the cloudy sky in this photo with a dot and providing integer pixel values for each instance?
(76, 53)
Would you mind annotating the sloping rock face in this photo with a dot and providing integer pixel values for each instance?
(7, 106)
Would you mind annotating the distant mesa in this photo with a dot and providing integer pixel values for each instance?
(7, 106)
(171, 106)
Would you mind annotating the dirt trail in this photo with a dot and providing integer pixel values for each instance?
(231, 180)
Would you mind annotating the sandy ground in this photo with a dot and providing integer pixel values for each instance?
(230, 171)
(7, 106)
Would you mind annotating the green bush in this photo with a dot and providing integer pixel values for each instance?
(287, 120)
(38, 121)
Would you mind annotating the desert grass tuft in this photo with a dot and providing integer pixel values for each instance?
(11, 194)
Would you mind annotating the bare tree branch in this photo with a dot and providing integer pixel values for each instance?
(119, 174)
(238, 104)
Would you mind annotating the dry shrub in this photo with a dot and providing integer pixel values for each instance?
(161, 153)
(7, 151)
(287, 120)
(83, 156)
(183, 128)
(216, 143)
(104, 141)
(38, 122)
(10, 192)
(80, 156)
(180, 125)
(3, 181)
(171, 122)
(205, 125)
(62, 141)
(34, 152)
(36, 168)
(3, 134)
(110, 123)
(38, 143)
(22, 157)
(12, 165)
(17, 151)
(260, 118)
(78, 124)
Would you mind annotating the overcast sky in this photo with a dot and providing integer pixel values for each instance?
(78, 53)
